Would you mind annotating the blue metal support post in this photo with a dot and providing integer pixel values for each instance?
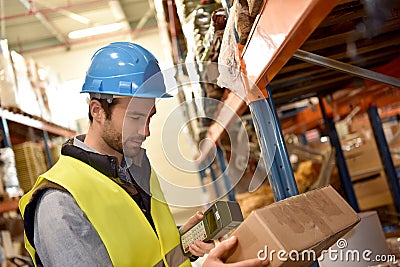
(273, 148)
(344, 174)
(384, 152)
(214, 178)
(5, 132)
(222, 166)
(203, 175)
(46, 140)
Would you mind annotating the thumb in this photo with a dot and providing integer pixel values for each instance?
(224, 248)
(193, 220)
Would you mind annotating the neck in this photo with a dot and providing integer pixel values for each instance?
(96, 142)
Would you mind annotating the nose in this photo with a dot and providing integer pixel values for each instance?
(145, 130)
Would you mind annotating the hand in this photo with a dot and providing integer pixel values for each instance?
(220, 253)
(198, 248)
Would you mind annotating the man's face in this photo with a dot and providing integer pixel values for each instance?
(136, 125)
(129, 125)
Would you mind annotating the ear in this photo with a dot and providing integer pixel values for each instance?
(96, 110)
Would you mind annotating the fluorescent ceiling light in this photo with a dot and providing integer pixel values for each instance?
(95, 30)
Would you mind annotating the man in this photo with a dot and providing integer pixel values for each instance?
(101, 204)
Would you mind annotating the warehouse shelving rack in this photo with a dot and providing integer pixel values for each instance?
(11, 121)
(281, 178)
(262, 106)
(42, 127)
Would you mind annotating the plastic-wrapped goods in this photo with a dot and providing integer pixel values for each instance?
(189, 6)
(8, 172)
(229, 59)
(202, 22)
(28, 101)
(246, 15)
(8, 87)
(38, 77)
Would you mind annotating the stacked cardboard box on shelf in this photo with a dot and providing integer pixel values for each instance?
(30, 163)
(28, 87)
(366, 169)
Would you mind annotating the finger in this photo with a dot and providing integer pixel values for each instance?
(193, 220)
(196, 250)
(250, 263)
(206, 247)
(224, 247)
(198, 216)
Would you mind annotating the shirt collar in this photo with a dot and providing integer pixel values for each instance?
(78, 141)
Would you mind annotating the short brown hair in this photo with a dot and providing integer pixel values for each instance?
(107, 107)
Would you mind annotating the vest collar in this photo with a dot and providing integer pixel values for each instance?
(107, 165)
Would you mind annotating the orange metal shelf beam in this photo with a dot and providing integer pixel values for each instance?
(9, 205)
(281, 28)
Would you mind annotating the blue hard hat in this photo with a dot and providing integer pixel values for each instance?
(125, 69)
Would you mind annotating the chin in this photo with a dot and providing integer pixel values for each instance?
(131, 152)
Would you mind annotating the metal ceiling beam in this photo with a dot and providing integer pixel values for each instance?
(346, 68)
(118, 13)
(46, 23)
(67, 13)
(84, 40)
(55, 9)
(385, 42)
(149, 13)
(311, 74)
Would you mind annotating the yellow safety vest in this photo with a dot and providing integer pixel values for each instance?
(126, 233)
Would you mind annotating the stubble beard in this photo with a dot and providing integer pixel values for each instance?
(114, 140)
(112, 137)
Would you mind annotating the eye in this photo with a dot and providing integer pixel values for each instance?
(134, 117)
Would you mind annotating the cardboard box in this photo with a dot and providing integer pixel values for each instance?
(288, 232)
(373, 193)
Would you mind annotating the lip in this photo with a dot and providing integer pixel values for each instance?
(133, 143)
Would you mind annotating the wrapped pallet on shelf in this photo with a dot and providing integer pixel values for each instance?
(30, 163)
(8, 172)
(39, 85)
(28, 101)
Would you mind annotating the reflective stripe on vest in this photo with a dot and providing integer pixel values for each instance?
(127, 235)
(174, 257)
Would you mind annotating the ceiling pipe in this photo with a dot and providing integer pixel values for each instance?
(84, 41)
(118, 12)
(54, 9)
(46, 23)
(149, 13)
(67, 13)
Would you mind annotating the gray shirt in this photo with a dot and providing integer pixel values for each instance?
(64, 236)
